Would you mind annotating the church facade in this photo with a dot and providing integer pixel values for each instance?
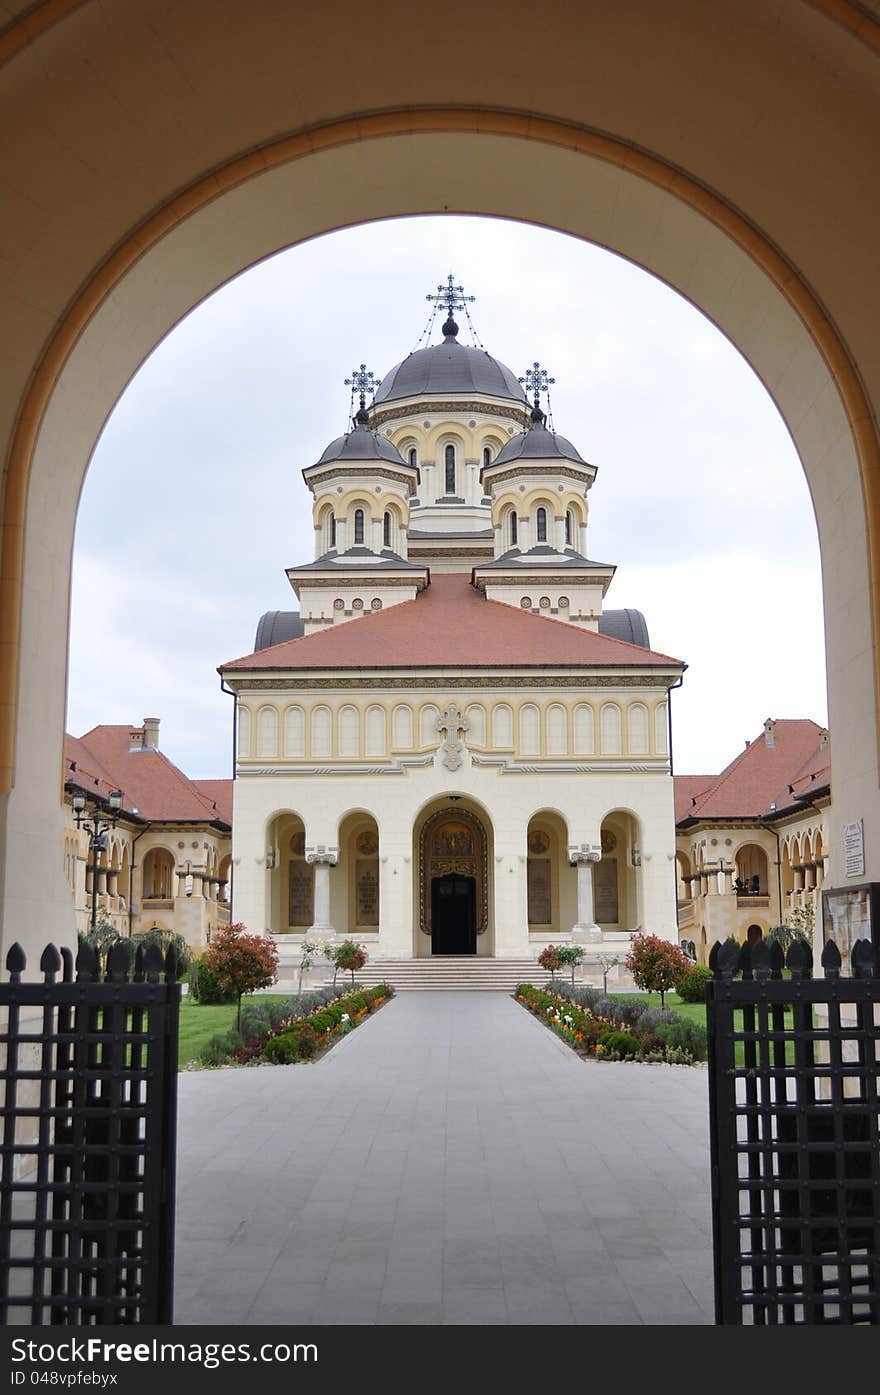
(452, 747)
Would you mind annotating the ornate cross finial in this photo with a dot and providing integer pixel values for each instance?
(362, 381)
(452, 296)
(454, 725)
(536, 381)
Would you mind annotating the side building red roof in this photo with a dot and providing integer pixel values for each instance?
(151, 783)
(790, 757)
(452, 625)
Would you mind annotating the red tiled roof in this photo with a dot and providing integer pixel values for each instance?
(220, 793)
(150, 782)
(452, 625)
(759, 776)
(687, 789)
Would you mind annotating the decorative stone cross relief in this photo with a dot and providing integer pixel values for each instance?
(454, 724)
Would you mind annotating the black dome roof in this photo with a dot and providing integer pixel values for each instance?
(538, 444)
(449, 367)
(362, 444)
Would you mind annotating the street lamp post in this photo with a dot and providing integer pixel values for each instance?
(99, 820)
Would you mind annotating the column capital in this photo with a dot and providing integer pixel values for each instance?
(321, 854)
(584, 852)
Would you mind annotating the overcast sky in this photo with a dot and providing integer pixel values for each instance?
(194, 503)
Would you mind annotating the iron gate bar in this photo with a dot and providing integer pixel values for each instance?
(795, 1150)
(94, 1115)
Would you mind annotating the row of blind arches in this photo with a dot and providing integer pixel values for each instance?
(553, 731)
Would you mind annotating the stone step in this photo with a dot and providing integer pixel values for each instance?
(452, 973)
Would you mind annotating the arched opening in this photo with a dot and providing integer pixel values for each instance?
(616, 877)
(682, 878)
(290, 898)
(453, 894)
(386, 529)
(751, 871)
(158, 877)
(541, 525)
(354, 898)
(551, 881)
(358, 527)
(848, 590)
(449, 469)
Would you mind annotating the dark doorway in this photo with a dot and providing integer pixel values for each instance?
(454, 915)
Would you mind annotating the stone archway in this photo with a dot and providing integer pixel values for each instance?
(453, 880)
(618, 151)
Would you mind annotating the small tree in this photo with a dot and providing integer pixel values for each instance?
(656, 964)
(308, 950)
(607, 962)
(348, 956)
(571, 956)
(550, 958)
(798, 926)
(241, 963)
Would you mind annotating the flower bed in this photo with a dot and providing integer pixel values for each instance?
(608, 1030)
(284, 1031)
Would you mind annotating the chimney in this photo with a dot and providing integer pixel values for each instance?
(136, 739)
(823, 739)
(769, 732)
(151, 733)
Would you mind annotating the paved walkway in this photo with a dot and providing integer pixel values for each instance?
(451, 1161)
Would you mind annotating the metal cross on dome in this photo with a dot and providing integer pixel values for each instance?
(536, 381)
(452, 296)
(362, 381)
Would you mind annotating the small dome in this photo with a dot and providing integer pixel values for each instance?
(362, 444)
(449, 368)
(537, 444)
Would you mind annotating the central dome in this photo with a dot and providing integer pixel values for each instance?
(448, 369)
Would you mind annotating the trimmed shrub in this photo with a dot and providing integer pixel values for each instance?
(630, 1010)
(220, 1048)
(323, 1021)
(282, 1050)
(655, 1017)
(204, 987)
(691, 987)
(682, 1035)
(306, 1039)
(620, 1044)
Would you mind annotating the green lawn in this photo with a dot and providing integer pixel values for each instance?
(199, 1024)
(697, 1013)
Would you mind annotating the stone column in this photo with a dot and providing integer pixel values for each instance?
(583, 858)
(559, 525)
(511, 903)
(377, 526)
(322, 860)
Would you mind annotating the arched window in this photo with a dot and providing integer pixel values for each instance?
(487, 456)
(450, 469)
(413, 457)
(568, 528)
(386, 530)
(158, 876)
(513, 527)
(333, 530)
(542, 525)
(358, 526)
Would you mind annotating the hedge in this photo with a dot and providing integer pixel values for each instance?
(283, 1031)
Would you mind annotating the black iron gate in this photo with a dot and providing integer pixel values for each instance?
(795, 1144)
(89, 1069)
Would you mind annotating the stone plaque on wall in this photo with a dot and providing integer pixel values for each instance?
(301, 897)
(367, 873)
(538, 877)
(605, 906)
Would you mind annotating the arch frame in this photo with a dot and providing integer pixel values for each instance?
(525, 125)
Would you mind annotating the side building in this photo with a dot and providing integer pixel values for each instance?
(167, 860)
(752, 843)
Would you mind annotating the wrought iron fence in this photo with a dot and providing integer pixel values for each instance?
(795, 1143)
(89, 1070)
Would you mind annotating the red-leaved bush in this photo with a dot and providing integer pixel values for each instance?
(241, 963)
(656, 965)
(550, 958)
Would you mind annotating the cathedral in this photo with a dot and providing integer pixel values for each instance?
(452, 748)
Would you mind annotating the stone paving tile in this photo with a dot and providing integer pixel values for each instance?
(451, 1162)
